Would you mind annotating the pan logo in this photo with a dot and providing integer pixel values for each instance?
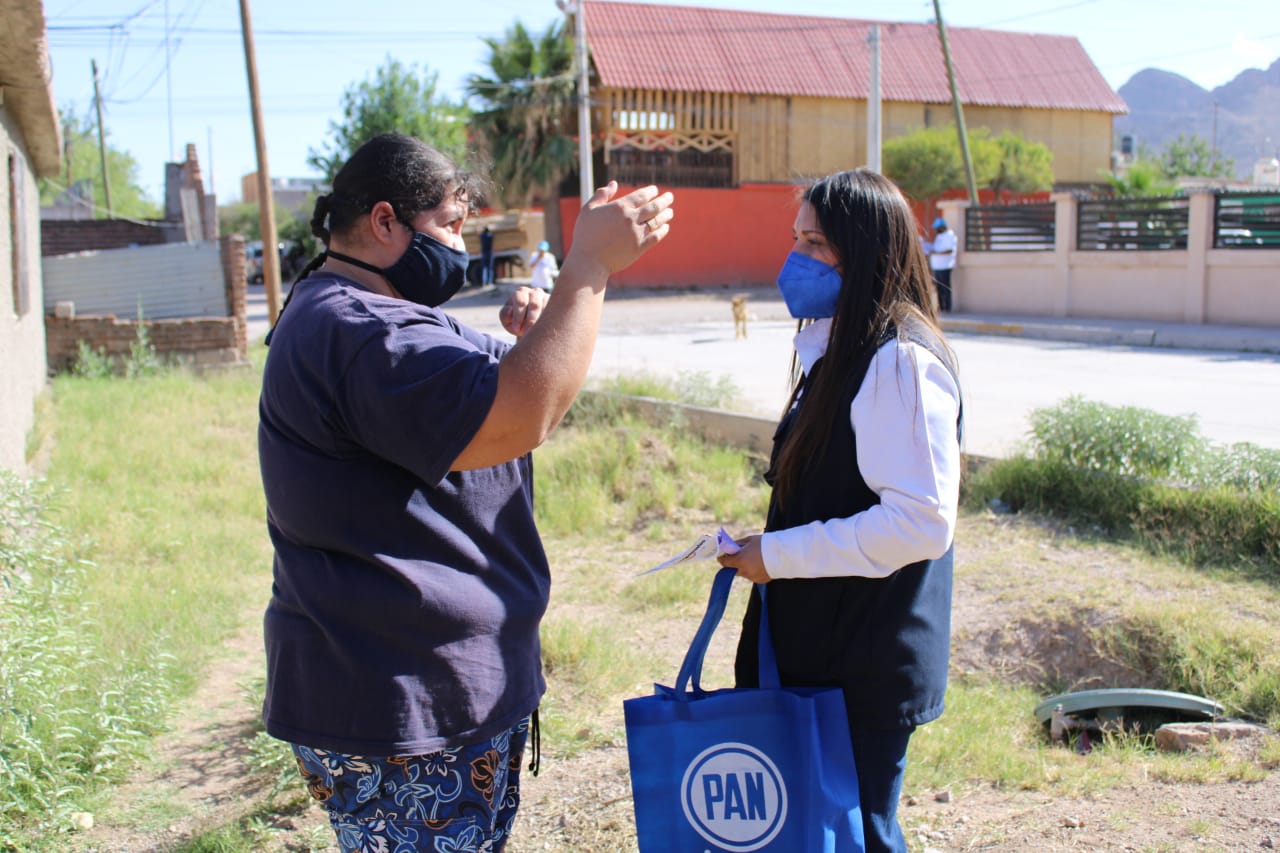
(734, 797)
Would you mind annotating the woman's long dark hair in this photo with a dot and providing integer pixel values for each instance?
(886, 290)
(401, 170)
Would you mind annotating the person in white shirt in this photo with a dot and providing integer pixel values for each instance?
(857, 548)
(942, 260)
(543, 267)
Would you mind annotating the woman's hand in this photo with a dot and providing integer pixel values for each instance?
(522, 309)
(612, 233)
(749, 561)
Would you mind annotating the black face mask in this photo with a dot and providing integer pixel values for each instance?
(429, 272)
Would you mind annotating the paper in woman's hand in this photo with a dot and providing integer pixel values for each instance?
(708, 546)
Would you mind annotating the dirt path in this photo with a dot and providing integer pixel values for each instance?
(195, 778)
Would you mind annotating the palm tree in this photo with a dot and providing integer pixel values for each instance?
(524, 123)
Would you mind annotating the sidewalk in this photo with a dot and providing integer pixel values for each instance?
(1138, 333)
(1227, 377)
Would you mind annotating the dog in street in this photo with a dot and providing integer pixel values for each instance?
(740, 316)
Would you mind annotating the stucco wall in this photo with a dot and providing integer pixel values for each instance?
(22, 341)
(1242, 286)
(998, 283)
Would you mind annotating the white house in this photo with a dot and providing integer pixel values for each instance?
(31, 146)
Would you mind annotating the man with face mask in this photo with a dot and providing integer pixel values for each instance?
(403, 663)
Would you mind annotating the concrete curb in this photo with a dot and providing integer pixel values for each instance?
(1120, 333)
(1057, 332)
(749, 432)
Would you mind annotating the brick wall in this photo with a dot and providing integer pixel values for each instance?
(64, 236)
(199, 341)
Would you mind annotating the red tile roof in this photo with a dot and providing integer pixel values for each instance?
(645, 46)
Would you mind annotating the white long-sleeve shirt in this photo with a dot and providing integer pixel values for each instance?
(904, 416)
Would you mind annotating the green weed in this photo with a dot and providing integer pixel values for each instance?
(73, 715)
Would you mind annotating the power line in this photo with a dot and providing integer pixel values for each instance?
(1039, 13)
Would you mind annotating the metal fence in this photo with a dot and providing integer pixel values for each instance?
(1246, 220)
(1126, 224)
(1242, 219)
(172, 280)
(1010, 228)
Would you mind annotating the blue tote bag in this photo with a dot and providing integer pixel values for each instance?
(768, 768)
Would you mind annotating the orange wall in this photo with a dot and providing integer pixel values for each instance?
(726, 237)
(719, 238)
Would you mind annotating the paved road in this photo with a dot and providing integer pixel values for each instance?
(1234, 395)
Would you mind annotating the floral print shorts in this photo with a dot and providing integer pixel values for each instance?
(460, 800)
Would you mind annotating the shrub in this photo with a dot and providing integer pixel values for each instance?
(1135, 473)
(1119, 439)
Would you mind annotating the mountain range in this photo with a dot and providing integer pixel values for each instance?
(1242, 117)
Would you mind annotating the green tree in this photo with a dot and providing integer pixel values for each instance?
(396, 100)
(82, 166)
(242, 218)
(522, 127)
(1192, 156)
(1142, 179)
(927, 162)
(924, 163)
(1017, 164)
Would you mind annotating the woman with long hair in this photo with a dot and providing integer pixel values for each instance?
(865, 470)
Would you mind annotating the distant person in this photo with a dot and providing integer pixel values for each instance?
(856, 557)
(409, 579)
(294, 261)
(543, 266)
(486, 255)
(942, 260)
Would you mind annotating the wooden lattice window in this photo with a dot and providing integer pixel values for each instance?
(671, 137)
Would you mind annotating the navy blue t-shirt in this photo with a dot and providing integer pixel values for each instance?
(405, 609)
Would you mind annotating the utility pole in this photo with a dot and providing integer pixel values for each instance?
(959, 110)
(873, 102)
(586, 181)
(266, 204)
(102, 142)
(168, 79)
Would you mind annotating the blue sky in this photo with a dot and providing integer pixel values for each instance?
(309, 53)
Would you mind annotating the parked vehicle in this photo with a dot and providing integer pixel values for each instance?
(289, 253)
(253, 262)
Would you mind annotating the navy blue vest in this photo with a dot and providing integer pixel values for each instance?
(884, 641)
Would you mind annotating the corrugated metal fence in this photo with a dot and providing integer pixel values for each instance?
(168, 281)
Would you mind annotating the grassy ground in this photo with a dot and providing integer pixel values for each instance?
(158, 485)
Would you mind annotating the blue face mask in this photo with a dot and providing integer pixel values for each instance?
(809, 287)
(429, 272)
